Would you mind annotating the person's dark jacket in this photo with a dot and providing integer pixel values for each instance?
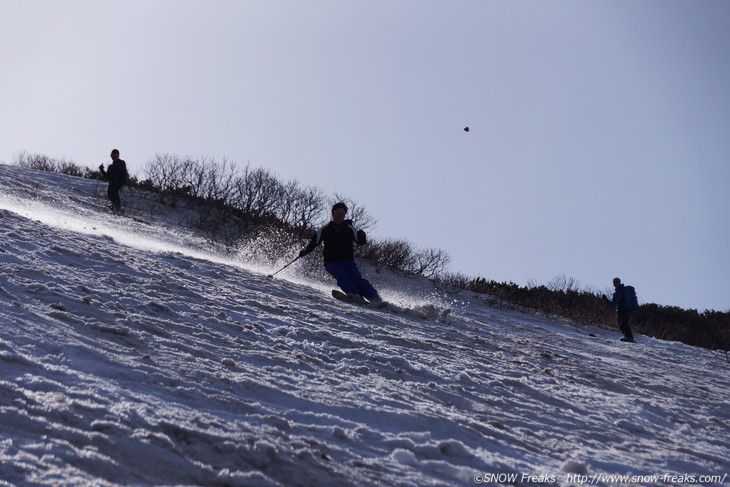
(116, 174)
(621, 299)
(338, 241)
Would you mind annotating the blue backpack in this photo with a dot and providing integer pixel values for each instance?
(632, 301)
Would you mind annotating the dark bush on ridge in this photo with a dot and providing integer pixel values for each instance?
(710, 329)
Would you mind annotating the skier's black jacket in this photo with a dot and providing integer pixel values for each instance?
(338, 241)
(116, 174)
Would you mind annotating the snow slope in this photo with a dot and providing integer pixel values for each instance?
(135, 354)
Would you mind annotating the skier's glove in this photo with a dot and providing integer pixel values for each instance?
(361, 237)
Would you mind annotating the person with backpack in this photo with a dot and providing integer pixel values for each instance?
(339, 237)
(117, 176)
(625, 302)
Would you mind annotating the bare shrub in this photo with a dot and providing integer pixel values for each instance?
(218, 180)
(257, 193)
(563, 283)
(430, 262)
(395, 254)
(401, 255)
(70, 168)
(300, 206)
(39, 162)
(167, 174)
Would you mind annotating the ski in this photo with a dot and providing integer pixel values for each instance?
(356, 299)
(348, 298)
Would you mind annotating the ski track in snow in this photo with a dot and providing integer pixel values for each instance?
(135, 354)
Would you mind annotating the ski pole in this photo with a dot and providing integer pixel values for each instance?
(290, 263)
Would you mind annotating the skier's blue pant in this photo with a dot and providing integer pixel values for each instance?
(350, 281)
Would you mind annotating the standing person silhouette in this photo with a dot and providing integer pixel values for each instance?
(117, 176)
(624, 300)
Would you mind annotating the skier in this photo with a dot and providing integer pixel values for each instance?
(117, 176)
(624, 300)
(338, 237)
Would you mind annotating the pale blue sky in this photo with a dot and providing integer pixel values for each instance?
(600, 131)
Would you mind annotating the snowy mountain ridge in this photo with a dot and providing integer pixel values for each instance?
(133, 353)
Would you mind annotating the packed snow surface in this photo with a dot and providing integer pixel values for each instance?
(132, 352)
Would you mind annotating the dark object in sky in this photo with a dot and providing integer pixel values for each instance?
(466, 129)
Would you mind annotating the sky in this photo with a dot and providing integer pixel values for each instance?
(599, 131)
